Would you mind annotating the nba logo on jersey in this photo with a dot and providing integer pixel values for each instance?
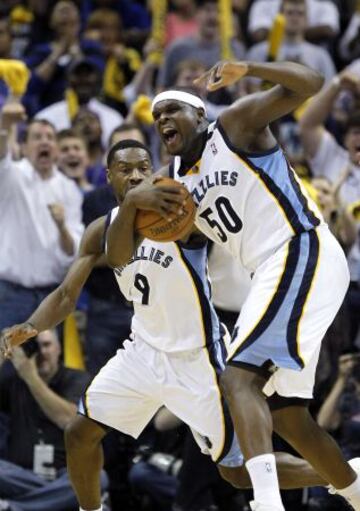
(213, 149)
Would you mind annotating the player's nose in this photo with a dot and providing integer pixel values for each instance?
(136, 176)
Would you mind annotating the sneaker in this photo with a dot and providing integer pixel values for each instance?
(355, 465)
(256, 506)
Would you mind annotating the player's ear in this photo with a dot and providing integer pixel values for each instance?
(107, 170)
(200, 115)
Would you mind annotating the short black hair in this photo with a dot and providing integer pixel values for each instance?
(125, 144)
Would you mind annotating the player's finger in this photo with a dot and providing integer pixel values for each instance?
(216, 85)
(175, 189)
(203, 79)
(173, 197)
(175, 208)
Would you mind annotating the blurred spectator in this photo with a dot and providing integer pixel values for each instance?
(40, 222)
(341, 165)
(294, 46)
(180, 20)
(50, 61)
(84, 88)
(40, 398)
(22, 20)
(341, 410)
(5, 53)
(73, 158)
(323, 19)
(87, 124)
(350, 42)
(338, 218)
(122, 62)
(135, 17)
(205, 44)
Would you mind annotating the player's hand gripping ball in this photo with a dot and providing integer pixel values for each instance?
(153, 226)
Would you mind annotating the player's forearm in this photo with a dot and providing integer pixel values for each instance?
(295, 77)
(318, 110)
(58, 410)
(120, 240)
(53, 309)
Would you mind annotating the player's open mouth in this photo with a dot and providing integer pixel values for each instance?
(170, 136)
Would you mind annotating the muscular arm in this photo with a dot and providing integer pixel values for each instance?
(250, 116)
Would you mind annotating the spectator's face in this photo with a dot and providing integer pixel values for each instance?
(88, 125)
(295, 17)
(208, 19)
(86, 83)
(5, 39)
(73, 157)
(352, 144)
(49, 354)
(128, 169)
(187, 76)
(65, 19)
(132, 134)
(41, 147)
(108, 33)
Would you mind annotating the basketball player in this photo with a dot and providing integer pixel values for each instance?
(250, 202)
(176, 355)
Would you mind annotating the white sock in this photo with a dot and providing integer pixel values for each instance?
(352, 492)
(98, 509)
(264, 479)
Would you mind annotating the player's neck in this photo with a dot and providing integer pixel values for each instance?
(193, 155)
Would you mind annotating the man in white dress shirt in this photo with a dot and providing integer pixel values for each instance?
(40, 221)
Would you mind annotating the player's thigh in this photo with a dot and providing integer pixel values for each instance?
(295, 296)
(193, 395)
(124, 394)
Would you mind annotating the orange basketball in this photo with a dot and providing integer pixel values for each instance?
(153, 226)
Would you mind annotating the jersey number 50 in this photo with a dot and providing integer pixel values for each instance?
(228, 220)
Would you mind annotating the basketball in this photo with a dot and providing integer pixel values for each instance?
(153, 226)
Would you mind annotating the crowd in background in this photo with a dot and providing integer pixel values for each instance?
(94, 67)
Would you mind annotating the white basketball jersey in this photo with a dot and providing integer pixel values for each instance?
(168, 285)
(251, 204)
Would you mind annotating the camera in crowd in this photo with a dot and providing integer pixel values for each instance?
(165, 462)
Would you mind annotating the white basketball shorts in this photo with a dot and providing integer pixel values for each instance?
(294, 297)
(139, 379)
